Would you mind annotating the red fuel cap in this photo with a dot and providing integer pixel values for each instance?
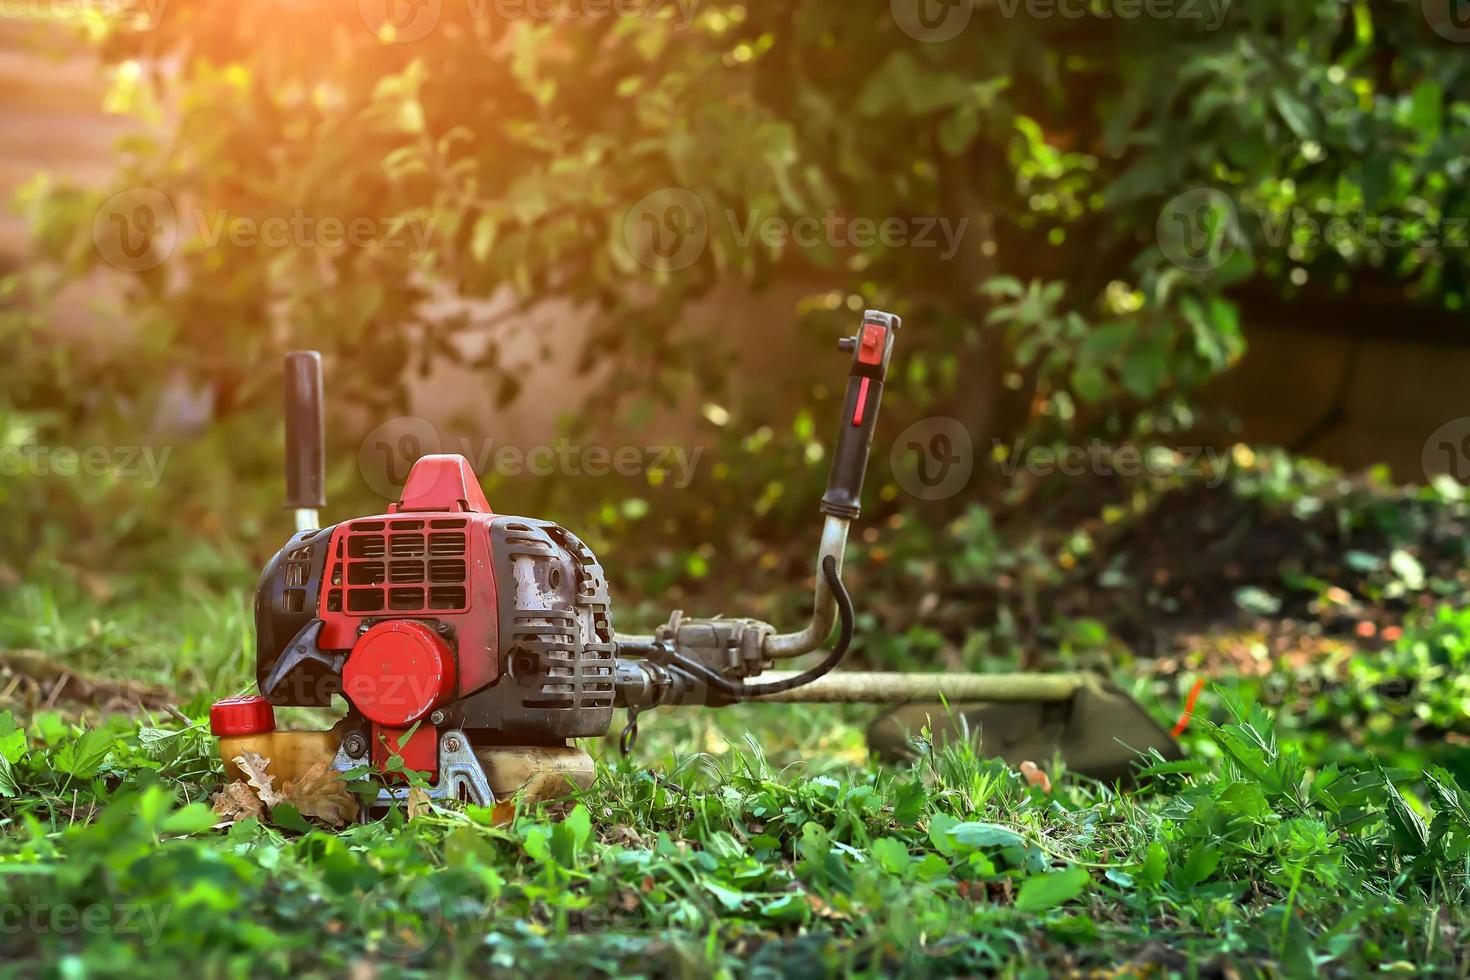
(398, 672)
(245, 715)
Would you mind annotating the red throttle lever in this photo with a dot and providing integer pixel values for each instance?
(871, 349)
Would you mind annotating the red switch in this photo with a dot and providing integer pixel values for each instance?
(870, 349)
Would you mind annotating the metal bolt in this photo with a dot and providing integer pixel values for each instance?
(354, 745)
(452, 744)
(437, 718)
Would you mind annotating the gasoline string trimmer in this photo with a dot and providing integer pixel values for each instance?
(472, 647)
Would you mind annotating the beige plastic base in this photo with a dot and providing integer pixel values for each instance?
(536, 773)
(290, 753)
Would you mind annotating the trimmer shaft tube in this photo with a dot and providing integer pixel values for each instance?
(863, 687)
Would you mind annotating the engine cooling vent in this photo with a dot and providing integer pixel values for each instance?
(576, 670)
(570, 678)
(296, 570)
(400, 565)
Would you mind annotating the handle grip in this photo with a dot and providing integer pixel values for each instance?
(872, 349)
(306, 476)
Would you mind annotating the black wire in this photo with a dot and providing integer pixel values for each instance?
(741, 691)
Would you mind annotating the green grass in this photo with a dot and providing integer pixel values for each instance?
(1329, 835)
(748, 858)
(749, 841)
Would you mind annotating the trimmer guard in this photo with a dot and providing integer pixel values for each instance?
(1099, 732)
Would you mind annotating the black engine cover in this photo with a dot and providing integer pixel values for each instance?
(556, 646)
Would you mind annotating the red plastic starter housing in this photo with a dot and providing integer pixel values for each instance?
(244, 715)
(398, 672)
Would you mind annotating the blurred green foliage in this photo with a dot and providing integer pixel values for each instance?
(526, 149)
(521, 159)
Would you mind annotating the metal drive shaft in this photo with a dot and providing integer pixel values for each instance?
(864, 687)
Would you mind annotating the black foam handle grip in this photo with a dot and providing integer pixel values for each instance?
(306, 462)
(871, 350)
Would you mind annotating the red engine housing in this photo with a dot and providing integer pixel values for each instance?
(441, 609)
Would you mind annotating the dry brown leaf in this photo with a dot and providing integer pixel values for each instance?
(1035, 777)
(237, 801)
(418, 802)
(319, 793)
(623, 834)
(822, 910)
(254, 766)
